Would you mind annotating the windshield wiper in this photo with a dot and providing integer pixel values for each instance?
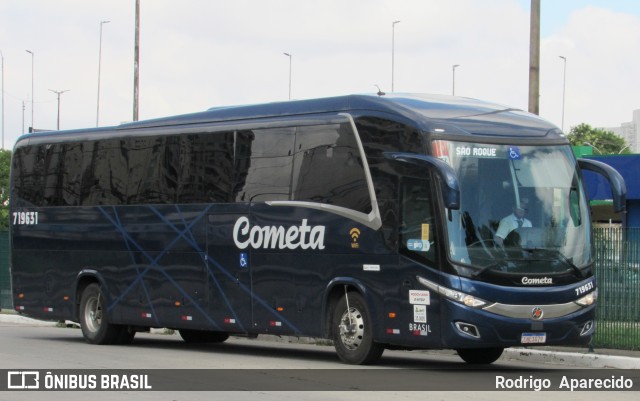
(505, 264)
(556, 255)
(499, 263)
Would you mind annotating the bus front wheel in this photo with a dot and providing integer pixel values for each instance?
(96, 329)
(352, 332)
(483, 356)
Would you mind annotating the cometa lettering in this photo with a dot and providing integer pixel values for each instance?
(277, 237)
(537, 281)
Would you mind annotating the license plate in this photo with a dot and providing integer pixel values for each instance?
(533, 338)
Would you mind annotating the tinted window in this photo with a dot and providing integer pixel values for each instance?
(136, 170)
(105, 177)
(417, 230)
(198, 168)
(152, 167)
(264, 161)
(70, 174)
(379, 135)
(328, 167)
(27, 181)
(205, 169)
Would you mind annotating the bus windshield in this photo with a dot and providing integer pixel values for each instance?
(522, 210)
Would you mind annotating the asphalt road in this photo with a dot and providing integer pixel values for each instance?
(258, 369)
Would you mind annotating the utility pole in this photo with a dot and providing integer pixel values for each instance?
(136, 63)
(393, 51)
(58, 93)
(534, 59)
(453, 90)
(2, 56)
(32, 96)
(23, 110)
(290, 58)
(99, 68)
(564, 87)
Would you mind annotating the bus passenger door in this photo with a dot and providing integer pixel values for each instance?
(228, 275)
(419, 244)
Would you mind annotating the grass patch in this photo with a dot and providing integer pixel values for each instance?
(618, 335)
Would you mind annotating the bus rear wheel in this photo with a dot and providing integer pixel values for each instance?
(352, 332)
(480, 356)
(96, 329)
(201, 336)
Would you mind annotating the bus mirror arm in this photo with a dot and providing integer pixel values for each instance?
(618, 186)
(448, 180)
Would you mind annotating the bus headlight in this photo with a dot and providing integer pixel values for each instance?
(454, 295)
(588, 299)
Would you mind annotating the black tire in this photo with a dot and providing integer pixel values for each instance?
(96, 329)
(200, 336)
(126, 335)
(351, 331)
(480, 356)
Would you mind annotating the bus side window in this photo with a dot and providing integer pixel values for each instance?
(328, 167)
(574, 206)
(417, 230)
(28, 185)
(263, 164)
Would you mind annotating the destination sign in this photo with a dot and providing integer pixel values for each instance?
(477, 151)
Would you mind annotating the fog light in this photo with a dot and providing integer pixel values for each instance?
(468, 329)
(587, 328)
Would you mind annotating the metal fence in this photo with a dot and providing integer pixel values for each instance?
(5, 277)
(617, 261)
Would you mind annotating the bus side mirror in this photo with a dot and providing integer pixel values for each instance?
(448, 179)
(618, 186)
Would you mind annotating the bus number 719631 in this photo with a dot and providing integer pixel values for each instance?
(25, 218)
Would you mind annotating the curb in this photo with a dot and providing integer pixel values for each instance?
(575, 359)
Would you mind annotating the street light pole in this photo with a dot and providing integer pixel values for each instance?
(290, 59)
(534, 58)
(564, 86)
(393, 51)
(453, 90)
(32, 63)
(136, 64)
(2, 56)
(58, 93)
(99, 68)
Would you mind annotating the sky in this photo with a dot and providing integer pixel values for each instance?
(197, 54)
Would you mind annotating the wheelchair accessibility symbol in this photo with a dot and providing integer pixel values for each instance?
(244, 260)
(514, 153)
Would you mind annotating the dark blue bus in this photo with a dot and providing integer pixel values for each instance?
(398, 221)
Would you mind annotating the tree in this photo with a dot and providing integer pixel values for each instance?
(602, 141)
(5, 167)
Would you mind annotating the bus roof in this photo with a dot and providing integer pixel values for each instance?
(435, 113)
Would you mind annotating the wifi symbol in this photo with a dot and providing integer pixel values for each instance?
(355, 234)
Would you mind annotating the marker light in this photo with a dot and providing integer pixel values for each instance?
(588, 299)
(457, 296)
